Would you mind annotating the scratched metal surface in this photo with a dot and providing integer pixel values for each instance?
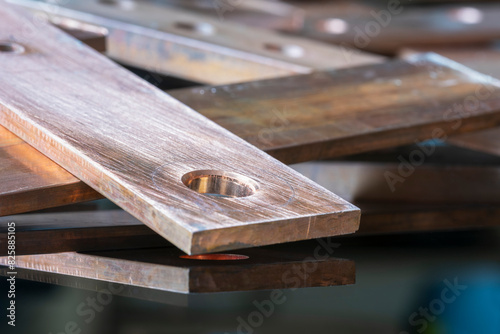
(81, 110)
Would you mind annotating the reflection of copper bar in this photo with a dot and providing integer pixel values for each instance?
(88, 284)
(163, 269)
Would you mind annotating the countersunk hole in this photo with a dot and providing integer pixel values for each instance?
(200, 28)
(292, 51)
(467, 15)
(220, 183)
(332, 26)
(122, 4)
(7, 47)
(215, 257)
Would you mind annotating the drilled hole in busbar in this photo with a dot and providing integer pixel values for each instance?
(122, 4)
(292, 51)
(199, 28)
(219, 183)
(14, 48)
(215, 257)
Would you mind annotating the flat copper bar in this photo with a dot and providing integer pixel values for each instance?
(332, 114)
(197, 47)
(164, 269)
(150, 154)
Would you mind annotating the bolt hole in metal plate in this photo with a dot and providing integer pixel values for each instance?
(219, 183)
(216, 191)
(215, 257)
(13, 48)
